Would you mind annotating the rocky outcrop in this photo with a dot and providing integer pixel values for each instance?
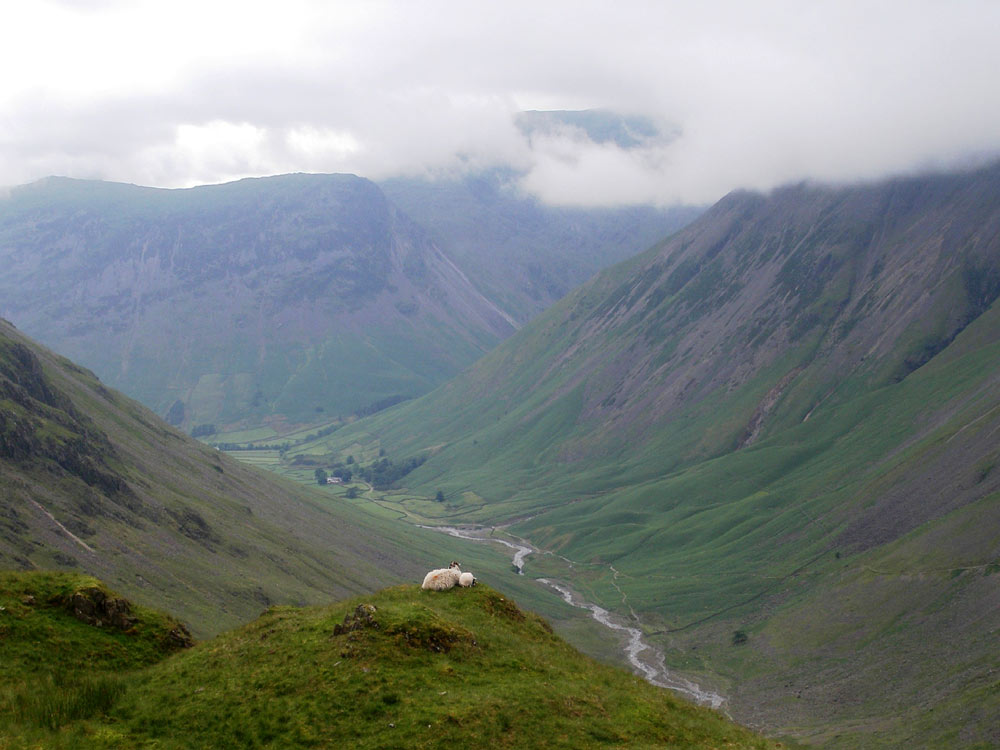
(103, 609)
(42, 425)
(97, 607)
(363, 616)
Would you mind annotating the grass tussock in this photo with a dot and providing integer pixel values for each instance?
(55, 701)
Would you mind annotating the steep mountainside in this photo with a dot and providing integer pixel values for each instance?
(292, 295)
(523, 254)
(765, 311)
(92, 481)
(774, 437)
(401, 668)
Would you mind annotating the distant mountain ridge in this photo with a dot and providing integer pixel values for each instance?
(521, 253)
(290, 295)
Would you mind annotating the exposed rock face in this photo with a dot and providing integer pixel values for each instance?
(95, 607)
(179, 637)
(425, 631)
(46, 425)
(363, 616)
(868, 282)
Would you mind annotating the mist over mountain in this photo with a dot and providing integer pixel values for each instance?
(598, 126)
(781, 423)
(291, 296)
(521, 253)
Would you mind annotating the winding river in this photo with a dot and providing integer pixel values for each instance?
(483, 534)
(645, 658)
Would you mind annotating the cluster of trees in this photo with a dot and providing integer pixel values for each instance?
(251, 447)
(345, 475)
(384, 473)
(328, 430)
(381, 405)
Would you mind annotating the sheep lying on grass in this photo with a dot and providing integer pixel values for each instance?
(442, 579)
(466, 579)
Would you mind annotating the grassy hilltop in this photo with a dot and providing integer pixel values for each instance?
(400, 668)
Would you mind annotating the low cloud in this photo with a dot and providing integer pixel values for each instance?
(191, 92)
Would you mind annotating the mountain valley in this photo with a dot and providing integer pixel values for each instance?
(773, 436)
(767, 445)
(92, 481)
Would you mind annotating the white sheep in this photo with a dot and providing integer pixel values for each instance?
(466, 579)
(442, 579)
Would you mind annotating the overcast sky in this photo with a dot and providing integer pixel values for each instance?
(175, 93)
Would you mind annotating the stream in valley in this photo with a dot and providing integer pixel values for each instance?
(646, 659)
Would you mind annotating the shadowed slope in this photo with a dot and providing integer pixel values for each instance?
(90, 479)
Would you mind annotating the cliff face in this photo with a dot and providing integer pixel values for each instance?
(39, 424)
(286, 295)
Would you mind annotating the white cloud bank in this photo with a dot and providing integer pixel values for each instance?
(188, 92)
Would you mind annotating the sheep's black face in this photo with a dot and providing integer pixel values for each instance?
(455, 565)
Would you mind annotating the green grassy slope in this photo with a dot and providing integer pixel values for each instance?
(62, 661)
(400, 668)
(783, 421)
